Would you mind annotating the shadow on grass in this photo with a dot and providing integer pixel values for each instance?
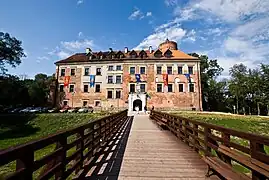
(16, 125)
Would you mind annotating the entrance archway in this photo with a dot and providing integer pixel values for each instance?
(138, 103)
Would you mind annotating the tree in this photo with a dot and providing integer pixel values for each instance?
(11, 51)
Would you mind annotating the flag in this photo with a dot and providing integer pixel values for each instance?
(165, 79)
(92, 80)
(66, 80)
(148, 96)
(188, 77)
(137, 76)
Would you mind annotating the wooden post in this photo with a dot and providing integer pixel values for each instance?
(254, 148)
(207, 131)
(226, 137)
(195, 133)
(26, 162)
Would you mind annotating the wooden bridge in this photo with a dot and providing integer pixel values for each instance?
(159, 146)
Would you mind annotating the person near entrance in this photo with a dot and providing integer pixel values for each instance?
(137, 109)
(145, 109)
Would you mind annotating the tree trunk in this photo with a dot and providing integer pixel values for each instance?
(237, 106)
(258, 107)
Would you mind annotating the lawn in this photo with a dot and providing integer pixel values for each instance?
(20, 128)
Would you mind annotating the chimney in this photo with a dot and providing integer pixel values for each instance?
(150, 49)
(126, 50)
(88, 50)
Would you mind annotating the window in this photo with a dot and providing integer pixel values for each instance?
(62, 72)
(132, 70)
(110, 68)
(61, 88)
(180, 88)
(159, 88)
(118, 94)
(110, 79)
(73, 72)
(109, 94)
(159, 69)
(169, 70)
(142, 70)
(118, 67)
(71, 88)
(170, 87)
(86, 71)
(98, 71)
(86, 88)
(190, 70)
(179, 70)
(97, 88)
(191, 87)
(118, 79)
(132, 88)
(65, 103)
(97, 103)
(85, 103)
(142, 87)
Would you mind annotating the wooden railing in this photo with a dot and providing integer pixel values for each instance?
(245, 148)
(72, 154)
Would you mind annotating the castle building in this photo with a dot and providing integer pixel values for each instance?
(165, 78)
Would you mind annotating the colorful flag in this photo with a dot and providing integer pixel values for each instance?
(66, 80)
(165, 79)
(137, 76)
(188, 77)
(92, 80)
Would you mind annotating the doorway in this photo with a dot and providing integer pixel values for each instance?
(138, 103)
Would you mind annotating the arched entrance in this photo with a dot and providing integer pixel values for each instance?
(138, 103)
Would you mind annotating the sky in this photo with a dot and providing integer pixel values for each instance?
(232, 31)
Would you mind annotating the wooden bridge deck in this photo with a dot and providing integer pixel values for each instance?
(152, 153)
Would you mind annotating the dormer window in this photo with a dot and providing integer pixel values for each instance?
(168, 53)
(142, 54)
(133, 54)
(158, 54)
(90, 57)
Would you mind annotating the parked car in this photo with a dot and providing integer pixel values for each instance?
(16, 110)
(90, 109)
(73, 110)
(53, 110)
(83, 110)
(26, 110)
(64, 109)
(44, 109)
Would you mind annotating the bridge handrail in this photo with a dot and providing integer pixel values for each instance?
(205, 137)
(86, 139)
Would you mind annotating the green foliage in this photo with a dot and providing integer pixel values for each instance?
(11, 51)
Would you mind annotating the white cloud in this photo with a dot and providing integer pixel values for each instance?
(191, 36)
(149, 14)
(79, 2)
(170, 2)
(63, 54)
(137, 14)
(78, 44)
(80, 35)
(174, 32)
(41, 58)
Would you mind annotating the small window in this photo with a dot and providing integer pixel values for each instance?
(97, 103)
(190, 70)
(118, 67)
(65, 103)
(86, 71)
(159, 88)
(191, 87)
(110, 68)
(61, 88)
(142, 88)
(73, 72)
(71, 88)
(110, 79)
(97, 88)
(142, 70)
(180, 88)
(159, 69)
(62, 72)
(109, 94)
(169, 70)
(179, 70)
(98, 71)
(118, 79)
(132, 88)
(118, 94)
(85, 103)
(132, 70)
(86, 88)
(170, 87)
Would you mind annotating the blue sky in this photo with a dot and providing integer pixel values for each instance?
(230, 31)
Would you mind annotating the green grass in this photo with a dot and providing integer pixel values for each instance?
(17, 129)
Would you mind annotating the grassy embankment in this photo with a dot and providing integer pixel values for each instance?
(252, 124)
(18, 129)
